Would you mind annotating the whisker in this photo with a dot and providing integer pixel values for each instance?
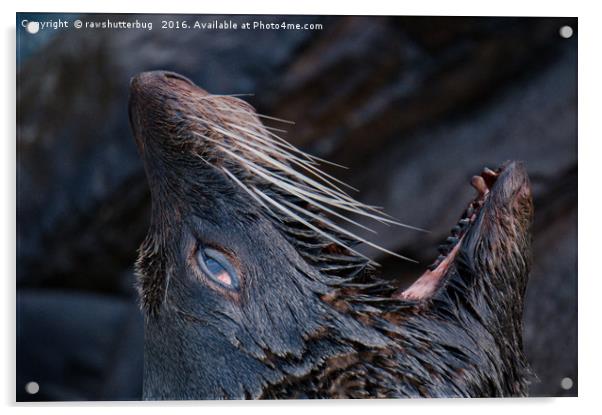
(292, 172)
(300, 195)
(314, 197)
(309, 225)
(287, 155)
(273, 161)
(246, 189)
(267, 117)
(292, 189)
(346, 232)
(280, 130)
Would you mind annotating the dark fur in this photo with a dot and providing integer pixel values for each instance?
(311, 320)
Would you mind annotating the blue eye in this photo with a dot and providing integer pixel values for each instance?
(217, 267)
(213, 266)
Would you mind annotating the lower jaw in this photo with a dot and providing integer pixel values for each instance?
(428, 283)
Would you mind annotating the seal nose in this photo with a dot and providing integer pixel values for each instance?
(150, 79)
(151, 87)
(173, 75)
(155, 98)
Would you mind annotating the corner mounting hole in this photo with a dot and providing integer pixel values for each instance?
(566, 384)
(32, 388)
(33, 27)
(566, 32)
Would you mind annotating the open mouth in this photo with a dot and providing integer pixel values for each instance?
(432, 278)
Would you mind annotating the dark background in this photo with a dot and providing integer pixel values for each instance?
(414, 106)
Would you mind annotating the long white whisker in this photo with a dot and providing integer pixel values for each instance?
(314, 198)
(349, 205)
(292, 190)
(290, 171)
(272, 145)
(346, 232)
(268, 117)
(308, 224)
(311, 156)
(246, 189)
(319, 173)
(340, 204)
(271, 141)
(280, 130)
(287, 155)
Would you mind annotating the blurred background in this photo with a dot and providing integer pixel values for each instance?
(414, 106)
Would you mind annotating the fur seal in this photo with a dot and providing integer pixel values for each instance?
(250, 291)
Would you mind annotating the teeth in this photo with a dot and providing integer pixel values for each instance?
(479, 183)
(482, 184)
(490, 176)
(451, 240)
(489, 173)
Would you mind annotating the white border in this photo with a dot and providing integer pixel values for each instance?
(376, 7)
(590, 118)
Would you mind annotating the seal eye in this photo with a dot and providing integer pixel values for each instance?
(217, 267)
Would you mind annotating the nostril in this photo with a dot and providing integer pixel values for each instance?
(155, 80)
(173, 75)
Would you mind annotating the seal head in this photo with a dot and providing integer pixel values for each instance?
(250, 290)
